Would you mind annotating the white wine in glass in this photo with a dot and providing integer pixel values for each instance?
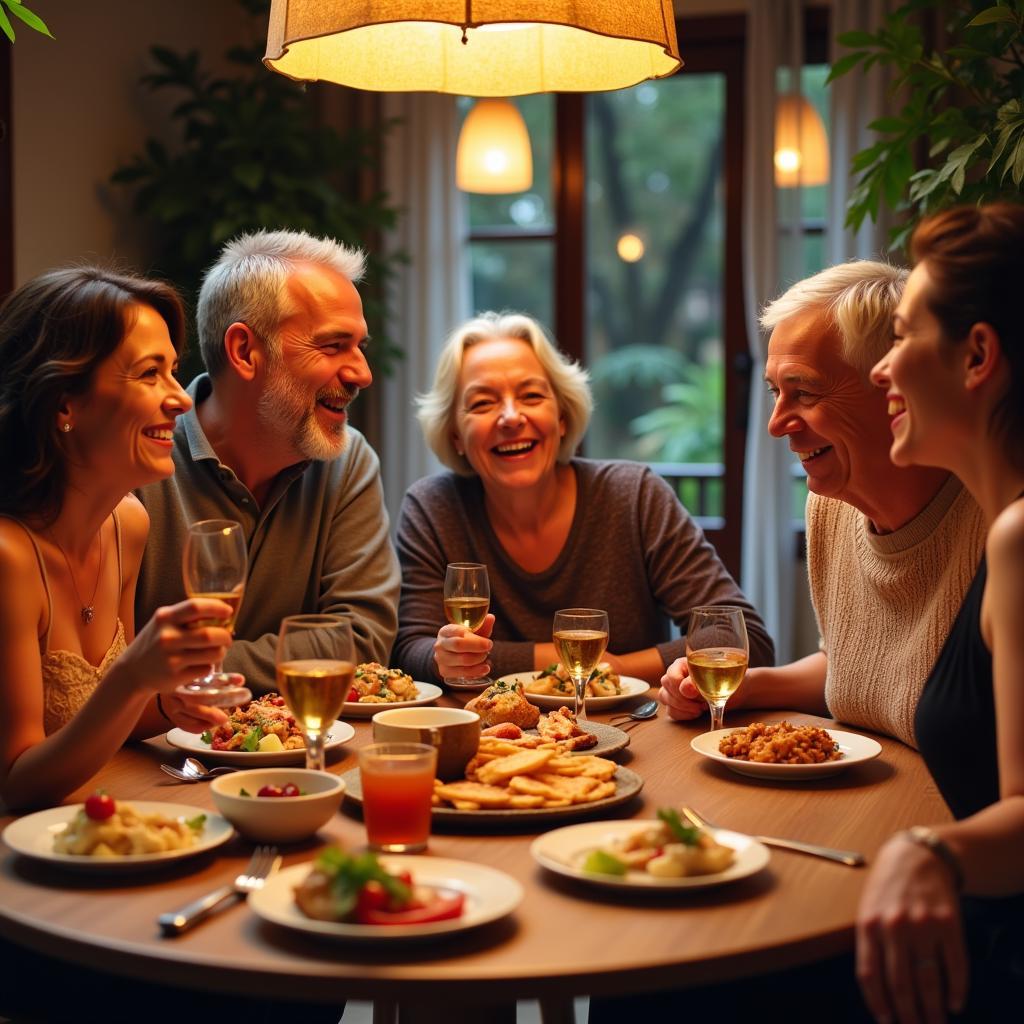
(214, 564)
(467, 598)
(716, 653)
(315, 671)
(580, 636)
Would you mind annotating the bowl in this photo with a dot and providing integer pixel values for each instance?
(278, 819)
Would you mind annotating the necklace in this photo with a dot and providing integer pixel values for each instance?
(88, 612)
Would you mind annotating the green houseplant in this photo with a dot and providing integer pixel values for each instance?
(252, 154)
(21, 12)
(959, 65)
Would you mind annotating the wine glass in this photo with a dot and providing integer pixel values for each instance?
(580, 636)
(467, 596)
(315, 671)
(716, 652)
(214, 564)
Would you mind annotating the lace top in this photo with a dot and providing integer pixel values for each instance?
(68, 679)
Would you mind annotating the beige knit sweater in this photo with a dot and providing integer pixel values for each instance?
(885, 603)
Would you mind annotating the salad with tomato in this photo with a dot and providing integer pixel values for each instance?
(358, 889)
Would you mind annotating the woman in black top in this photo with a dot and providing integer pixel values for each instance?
(955, 383)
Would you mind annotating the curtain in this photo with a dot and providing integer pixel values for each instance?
(431, 293)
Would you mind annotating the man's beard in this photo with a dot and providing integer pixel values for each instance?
(285, 409)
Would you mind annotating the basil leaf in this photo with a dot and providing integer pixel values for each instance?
(684, 834)
(196, 823)
(252, 739)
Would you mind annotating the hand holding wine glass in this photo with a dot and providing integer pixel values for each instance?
(214, 564)
(315, 671)
(716, 654)
(580, 636)
(467, 597)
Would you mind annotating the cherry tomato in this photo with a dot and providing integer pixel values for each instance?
(440, 906)
(404, 877)
(270, 791)
(372, 897)
(290, 789)
(100, 806)
(278, 702)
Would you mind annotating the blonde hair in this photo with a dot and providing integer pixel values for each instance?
(859, 298)
(569, 381)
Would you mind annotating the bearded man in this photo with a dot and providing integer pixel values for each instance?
(282, 334)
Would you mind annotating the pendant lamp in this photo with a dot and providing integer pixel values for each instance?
(494, 153)
(473, 47)
(801, 146)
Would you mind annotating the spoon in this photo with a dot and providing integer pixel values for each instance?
(194, 771)
(641, 713)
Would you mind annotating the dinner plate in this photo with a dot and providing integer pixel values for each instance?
(627, 785)
(855, 749)
(610, 740)
(427, 693)
(490, 894)
(32, 836)
(631, 687)
(563, 850)
(339, 732)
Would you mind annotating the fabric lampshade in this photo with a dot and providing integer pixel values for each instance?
(801, 146)
(494, 149)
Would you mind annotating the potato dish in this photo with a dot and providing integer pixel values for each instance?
(376, 684)
(780, 743)
(125, 833)
(554, 681)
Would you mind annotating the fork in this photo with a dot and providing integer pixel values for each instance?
(851, 858)
(264, 861)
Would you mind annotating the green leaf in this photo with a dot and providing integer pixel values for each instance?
(196, 823)
(851, 39)
(993, 15)
(206, 737)
(244, 792)
(5, 25)
(845, 64)
(888, 125)
(685, 834)
(1018, 163)
(32, 20)
(600, 862)
(252, 739)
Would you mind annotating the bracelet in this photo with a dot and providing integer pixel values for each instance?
(931, 841)
(160, 708)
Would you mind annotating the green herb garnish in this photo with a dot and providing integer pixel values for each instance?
(349, 874)
(206, 737)
(600, 862)
(252, 739)
(196, 823)
(685, 834)
(244, 792)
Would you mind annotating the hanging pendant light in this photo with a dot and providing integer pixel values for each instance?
(801, 146)
(494, 154)
(474, 47)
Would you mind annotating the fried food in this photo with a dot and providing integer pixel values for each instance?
(376, 684)
(780, 743)
(561, 724)
(504, 702)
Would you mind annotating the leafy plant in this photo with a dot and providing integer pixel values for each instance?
(20, 11)
(964, 100)
(253, 155)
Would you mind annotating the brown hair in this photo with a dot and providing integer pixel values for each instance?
(975, 259)
(54, 332)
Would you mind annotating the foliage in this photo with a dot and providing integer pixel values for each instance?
(253, 155)
(965, 100)
(20, 11)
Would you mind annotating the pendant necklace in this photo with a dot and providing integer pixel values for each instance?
(88, 612)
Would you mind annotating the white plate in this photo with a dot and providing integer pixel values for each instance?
(490, 894)
(855, 750)
(32, 836)
(563, 850)
(631, 687)
(340, 732)
(427, 694)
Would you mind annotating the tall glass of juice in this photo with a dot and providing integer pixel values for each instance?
(315, 671)
(398, 785)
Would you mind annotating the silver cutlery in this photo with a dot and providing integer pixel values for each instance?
(264, 862)
(195, 771)
(851, 858)
(640, 713)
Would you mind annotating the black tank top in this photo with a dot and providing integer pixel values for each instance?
(955, 721)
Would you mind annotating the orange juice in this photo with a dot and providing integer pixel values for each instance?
(397, 792)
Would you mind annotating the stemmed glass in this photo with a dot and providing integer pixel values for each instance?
(315, 671)
(580, 636)
(467, 597)
(214, 564)
(716, 652)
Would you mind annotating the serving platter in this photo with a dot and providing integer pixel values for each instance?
(631, 687)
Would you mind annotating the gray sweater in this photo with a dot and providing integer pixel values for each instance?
(632, 550)
(319, 544)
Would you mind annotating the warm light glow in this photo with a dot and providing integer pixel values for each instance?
(801, 146)
(630, 248)
(474, 47)
(494, 153)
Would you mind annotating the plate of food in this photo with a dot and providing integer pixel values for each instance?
(660, 853)
(385, 899)
(553, 688)
(785, 752)
(561, 728)
(377, 688)
(107, 835)
(260, 733)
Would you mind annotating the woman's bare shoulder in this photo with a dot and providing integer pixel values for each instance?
(17, 552)
(134, 520)
(1006, 535)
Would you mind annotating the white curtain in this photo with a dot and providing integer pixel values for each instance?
(856, 99)
(431, 295)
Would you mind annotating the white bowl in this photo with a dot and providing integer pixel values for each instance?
(277, 819)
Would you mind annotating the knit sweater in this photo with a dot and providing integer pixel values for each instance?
(885, 603)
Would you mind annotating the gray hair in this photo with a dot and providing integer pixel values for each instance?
(569, 381)
(859, 298)
(247, 285)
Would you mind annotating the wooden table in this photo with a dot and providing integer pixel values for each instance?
(565, 939)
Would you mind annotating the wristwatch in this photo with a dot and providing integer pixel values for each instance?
(930, 840)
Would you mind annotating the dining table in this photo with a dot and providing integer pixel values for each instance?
(566, 938)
